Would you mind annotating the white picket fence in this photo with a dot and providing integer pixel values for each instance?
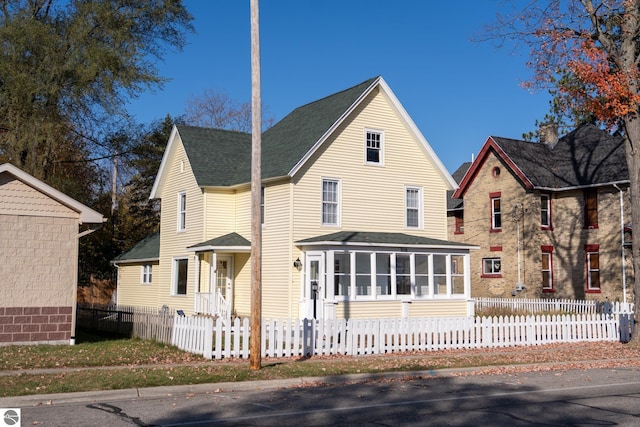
(553, 305)
(303, 337)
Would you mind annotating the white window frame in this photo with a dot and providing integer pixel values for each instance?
(182, 211)
(493, 261)
(495, 213)
(175, 276)
(547, 286)
(370, 145)
(545, 207)
(146, 274)
(418, 208)
(393, 295)
(327, 202)
(590, 286)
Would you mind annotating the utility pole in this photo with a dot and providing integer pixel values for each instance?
(255, 341)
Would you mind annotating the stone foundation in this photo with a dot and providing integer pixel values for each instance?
(20, 325)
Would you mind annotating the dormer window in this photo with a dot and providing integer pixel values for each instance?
(373, 147)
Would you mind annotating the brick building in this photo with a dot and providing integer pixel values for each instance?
(550, 217)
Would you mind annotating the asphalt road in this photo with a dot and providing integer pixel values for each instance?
(597, 397)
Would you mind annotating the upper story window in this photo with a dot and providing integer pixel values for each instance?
(330, 201)
(413, 207)
(547, 268)
(496, 212)
(147, 270)
(591, 209)
(545, 211)
(373, 147)
(182, 211)
(593, 267)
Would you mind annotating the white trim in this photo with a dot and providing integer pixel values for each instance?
(379, 81)
(174, 276)
(219, 248)
(330, 243)
(135, 261)
(333, 127)
(381, 148)
(420, 207)
(182, 224)
(160, 177)
(87, 215)
(146, 275)
(338, 202)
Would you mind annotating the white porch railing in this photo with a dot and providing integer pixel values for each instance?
(291, 338)
(215, 305)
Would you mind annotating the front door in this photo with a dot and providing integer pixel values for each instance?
(314, 287)
(224, 284)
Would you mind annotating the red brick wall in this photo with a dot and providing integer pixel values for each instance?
(27, 324)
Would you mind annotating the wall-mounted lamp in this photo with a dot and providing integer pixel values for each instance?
(297, 264)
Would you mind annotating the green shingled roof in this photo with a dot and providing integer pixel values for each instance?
(379, 239)
(144, 250)
(228, 240)
(223, 158)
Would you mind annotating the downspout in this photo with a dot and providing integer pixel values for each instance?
(624, 275)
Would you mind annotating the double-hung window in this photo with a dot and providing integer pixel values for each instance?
(147, 270)
(547, 268)
(545, 211)
(373, 147)
(182, 211)
(496, 212)
(593, 267)
(180, 266)
(413, 207)
(330, 201)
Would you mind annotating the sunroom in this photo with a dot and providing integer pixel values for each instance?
(366, 274)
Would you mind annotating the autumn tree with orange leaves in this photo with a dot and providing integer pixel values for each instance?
(588, 52)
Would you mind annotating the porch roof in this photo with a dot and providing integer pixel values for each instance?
(232, 242)
(146, 250)
(366, 238)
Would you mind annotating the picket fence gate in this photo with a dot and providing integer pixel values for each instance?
(215, 338)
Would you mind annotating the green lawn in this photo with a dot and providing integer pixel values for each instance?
(95, 363)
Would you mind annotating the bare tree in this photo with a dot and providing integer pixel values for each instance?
(216, 109)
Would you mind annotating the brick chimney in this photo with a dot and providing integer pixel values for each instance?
(549, 133)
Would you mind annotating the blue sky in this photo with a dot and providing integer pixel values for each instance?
(458, 92)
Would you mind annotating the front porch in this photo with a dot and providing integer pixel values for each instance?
(215, 274)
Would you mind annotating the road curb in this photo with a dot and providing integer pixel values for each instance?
(263, 385)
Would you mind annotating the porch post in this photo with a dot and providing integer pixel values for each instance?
(196, 280)
(213, 284)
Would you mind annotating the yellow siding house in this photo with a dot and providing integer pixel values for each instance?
(354, 218)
